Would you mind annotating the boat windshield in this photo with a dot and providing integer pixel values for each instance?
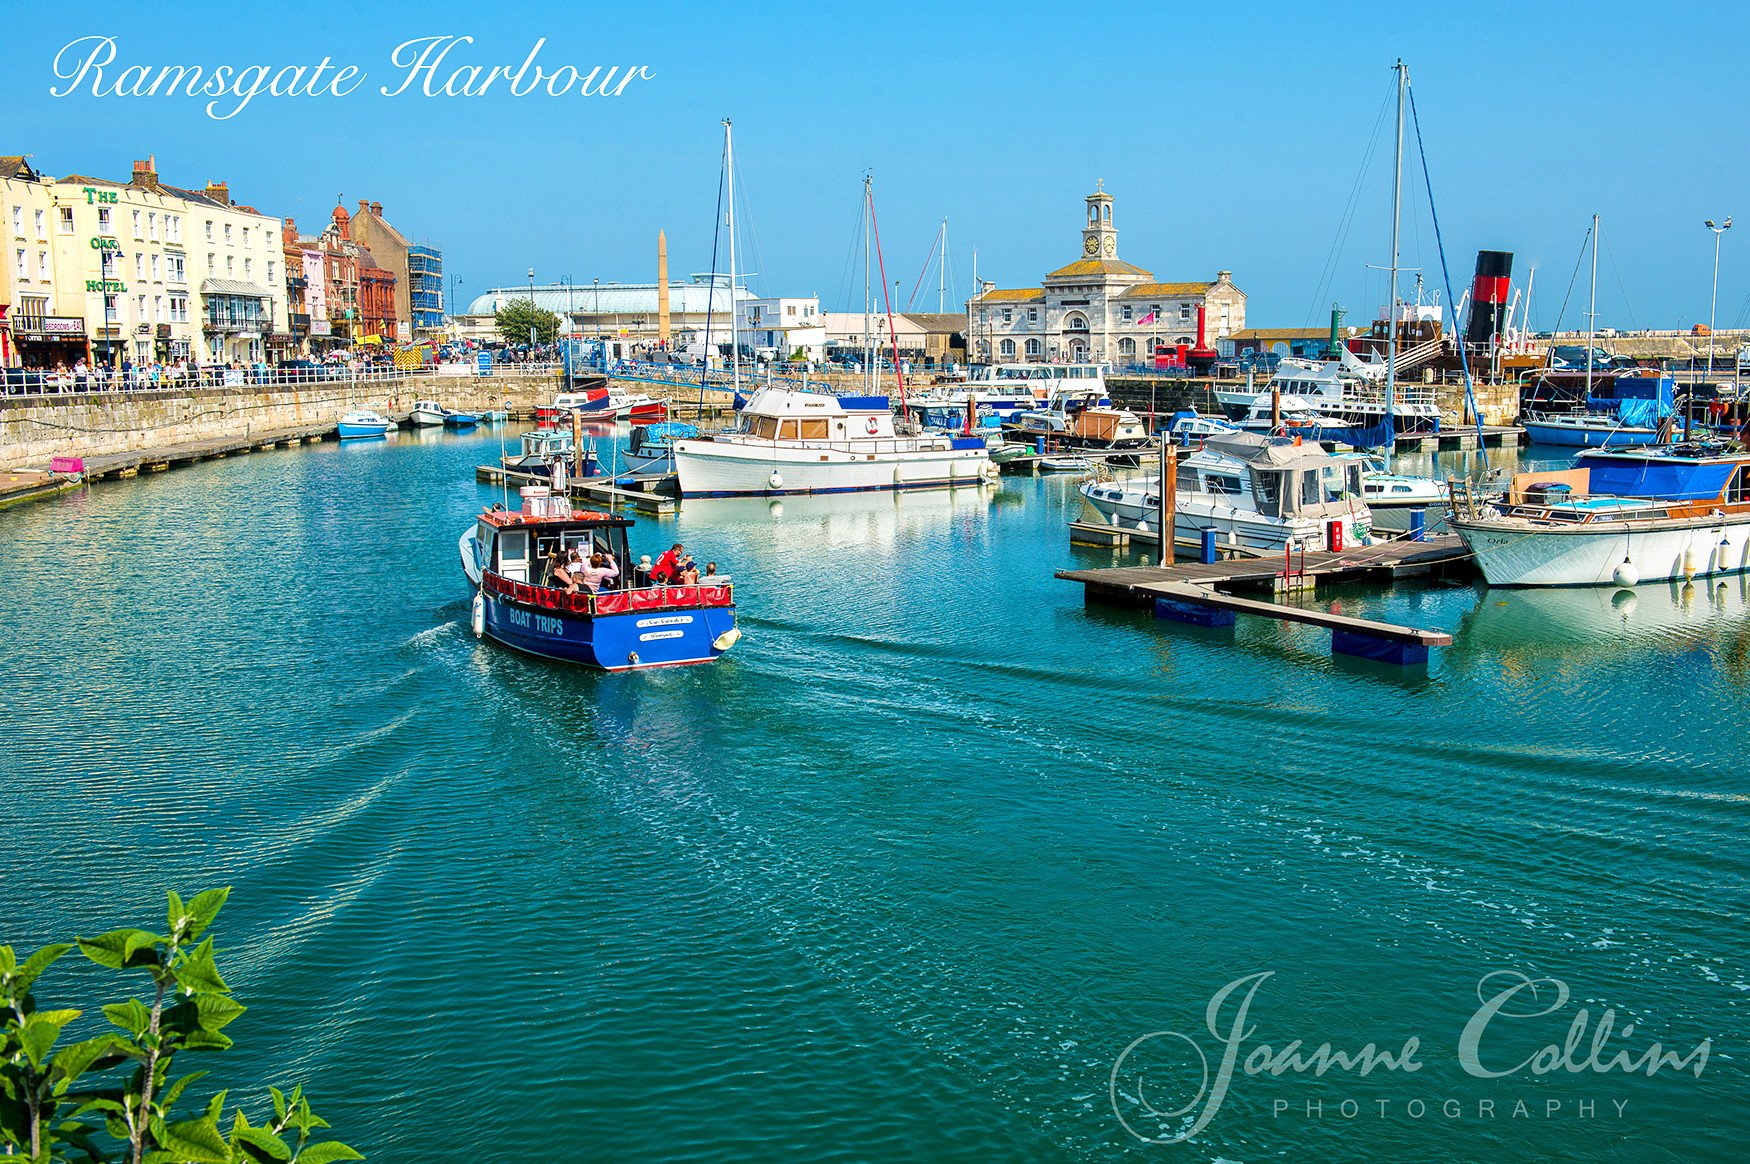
(1267, 488)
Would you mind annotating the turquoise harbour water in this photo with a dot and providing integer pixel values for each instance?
(906, 873)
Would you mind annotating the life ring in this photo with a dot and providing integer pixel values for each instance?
(873, 426)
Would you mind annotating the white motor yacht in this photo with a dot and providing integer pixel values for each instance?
(790, 441)
(1253, 491)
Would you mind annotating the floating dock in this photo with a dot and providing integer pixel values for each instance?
(1383, 561)
(1463, 437)
(1188, 591)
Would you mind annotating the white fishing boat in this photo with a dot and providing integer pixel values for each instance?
(1253, 491)
(790, 441)
(428, 414)
(1065, 464)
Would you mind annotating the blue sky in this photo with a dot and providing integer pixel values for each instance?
(1231, 136)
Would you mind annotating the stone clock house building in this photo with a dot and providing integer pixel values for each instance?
(1099, 308)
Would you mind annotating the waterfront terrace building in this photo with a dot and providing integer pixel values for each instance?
(1099, 307)
(40, 325)
(358, 291)
(168, 274)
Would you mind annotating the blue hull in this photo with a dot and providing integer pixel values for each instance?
(460, 420)
(615, 642)
(1566, 436)
(350, 432)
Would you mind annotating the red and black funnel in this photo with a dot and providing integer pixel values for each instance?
(1488, 296)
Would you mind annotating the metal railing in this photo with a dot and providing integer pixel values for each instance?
(19, 382)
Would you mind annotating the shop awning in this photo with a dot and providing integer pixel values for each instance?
(369, 339)
(236, 287)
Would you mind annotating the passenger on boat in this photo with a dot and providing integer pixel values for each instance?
(641, 573)
(559, 568)
(668, 567)
(601, 569)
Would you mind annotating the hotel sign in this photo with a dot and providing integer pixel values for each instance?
(105, 285)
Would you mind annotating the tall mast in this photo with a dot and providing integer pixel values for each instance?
(734, 308)
(1397, 191)
(1592, 307)
(942, 273)
(868, 329)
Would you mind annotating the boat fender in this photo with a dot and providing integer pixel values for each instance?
(1690, 566)
(479, 614)
(631, 658)
(1625, 574)
(727, 639)
(776, 480)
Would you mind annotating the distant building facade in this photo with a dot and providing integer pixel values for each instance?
(624, 311)
(932, 338)
(789, 327)
(1099, 307)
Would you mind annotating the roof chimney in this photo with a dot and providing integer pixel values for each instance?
(291, 234)
(145, 173)
(377, 209)
(219, 192)
(364, 207)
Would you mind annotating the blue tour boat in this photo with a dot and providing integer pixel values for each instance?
(619, 628)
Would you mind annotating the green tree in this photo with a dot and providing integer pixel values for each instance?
(519, 315)
(114, 1096)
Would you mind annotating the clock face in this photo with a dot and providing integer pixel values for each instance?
(1092, 245)
(1111, 246)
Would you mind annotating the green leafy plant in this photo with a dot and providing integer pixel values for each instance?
(115, 1096)
(516, 317)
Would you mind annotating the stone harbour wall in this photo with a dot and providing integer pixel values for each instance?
(35, 429)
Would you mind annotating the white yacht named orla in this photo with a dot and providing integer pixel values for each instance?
(1255, 492)
(789, 441)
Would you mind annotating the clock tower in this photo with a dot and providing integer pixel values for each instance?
(1100, 239)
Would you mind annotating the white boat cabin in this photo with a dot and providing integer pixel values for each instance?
(785, 414)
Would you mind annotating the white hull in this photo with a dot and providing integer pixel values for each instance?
(1233, 526)
(424, 418)
(1510, 554)
(734, 469)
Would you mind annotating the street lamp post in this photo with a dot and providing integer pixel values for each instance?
(1713, 300)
